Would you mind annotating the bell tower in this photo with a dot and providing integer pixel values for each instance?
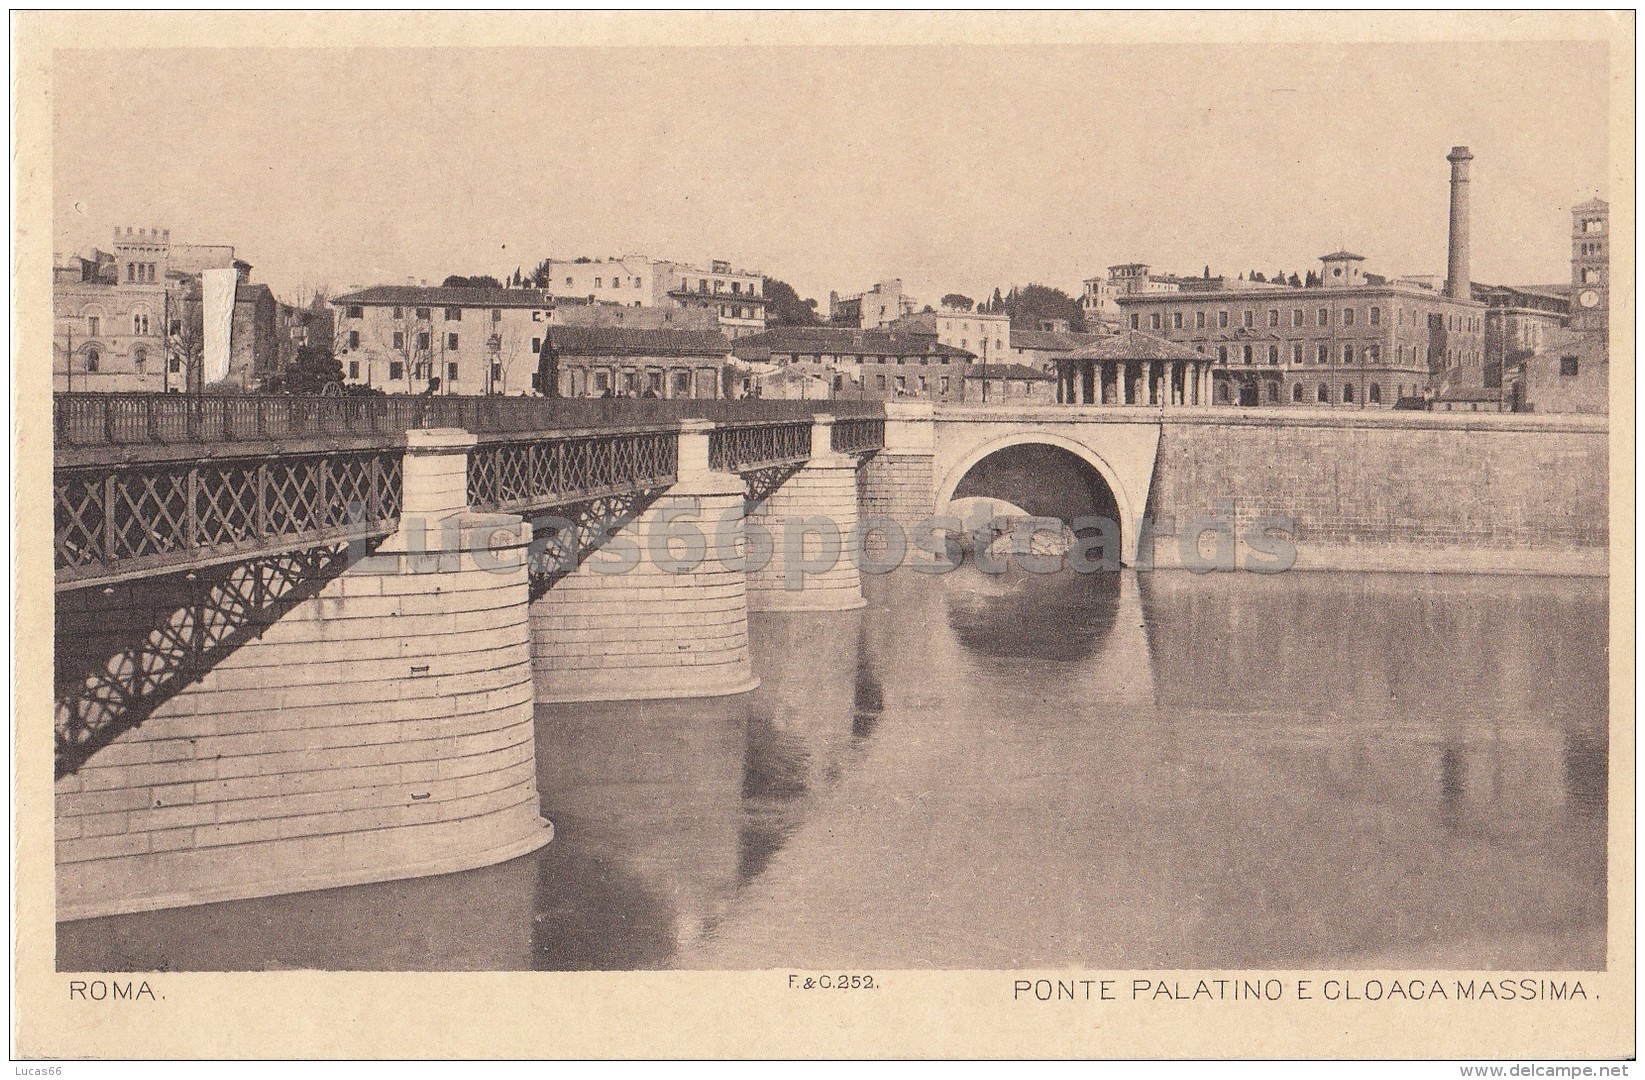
(1590, 265)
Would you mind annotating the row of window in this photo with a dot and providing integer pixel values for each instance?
(1371, 354)
(420, 370)
(1322, 394)
(1591, 249)
(422, 314)
(1322, 317)
(139, 273)
(139, 325)
(93, 359)
(862, 359)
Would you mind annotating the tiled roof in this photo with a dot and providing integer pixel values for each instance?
(627, 341)
(430, 296)
(840, 340)
(1133, 345)
(1053, 340)
(1005, 371)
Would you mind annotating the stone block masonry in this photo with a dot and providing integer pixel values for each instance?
(825, 491)
(899, 483)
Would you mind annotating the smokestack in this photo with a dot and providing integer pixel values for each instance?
(1456, 261)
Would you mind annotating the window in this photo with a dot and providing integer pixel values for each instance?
(354, 339)
(422, 313)
(1374, 395)
(355, 311)
(1324, 316)
(1296, 353)
(1273, 354)
(1347, 316)
(1590, 276)
(1373, 353)
(131, 273)
(1222, 353)
(597, 283)
(964, 343)
(1273, 393)
(1347, 354)
(399, 313)
(1199, 320)
(1246, 351)
(1273, 316)
(1296, 393)
(1324, 393)
(536, 345)
(451, 372)
(451, 341)
(396, 370)
(1296, 317)
(1348, 393)
(354, 369)
(1322, 355)
(1136, 322)
(137, 324)
(1593, 225)
(1376, 316)
(94, 358)
(1567, 365)
(1222, 320)
(423, 340)
(1153, 321)
(399, 339)
(496, 314)
(94, 326)
(175, 365)
(1249, 319)
(1176, 320)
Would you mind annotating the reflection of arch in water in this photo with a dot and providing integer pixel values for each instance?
(1047, 475)
(1092, 621)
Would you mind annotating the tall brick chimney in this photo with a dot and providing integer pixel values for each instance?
(1456, 261)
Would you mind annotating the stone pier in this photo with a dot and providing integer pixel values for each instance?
(817, 507)
(661, 610)
(382, 729)
(899, 483)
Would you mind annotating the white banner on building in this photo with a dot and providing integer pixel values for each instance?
(217, 310)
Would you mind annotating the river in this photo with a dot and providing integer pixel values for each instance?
(1300, 770)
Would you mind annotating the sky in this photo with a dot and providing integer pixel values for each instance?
(956, 168)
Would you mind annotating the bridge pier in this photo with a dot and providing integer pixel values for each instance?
(825, 489)
(648, 616)
(381, 729)
(899, 483)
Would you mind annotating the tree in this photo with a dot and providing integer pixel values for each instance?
(1030, 303)
(1311, 281)
(958, 301)
(1294, 281)
(783, 306)
(539, 275)
(483, 281)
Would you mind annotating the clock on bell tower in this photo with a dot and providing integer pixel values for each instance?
(1590, 265)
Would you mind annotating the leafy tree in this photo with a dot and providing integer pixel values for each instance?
(1294, 282)
(539, 275)
(1030, 303)
(313, 369)
(958, 301)
(1311, 281)
(783, 306)
(483, 281)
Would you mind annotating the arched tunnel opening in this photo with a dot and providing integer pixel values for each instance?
(1039, 480)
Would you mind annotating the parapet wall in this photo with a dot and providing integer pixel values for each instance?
(1390, 490)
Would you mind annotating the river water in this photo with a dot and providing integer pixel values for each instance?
(976, 771)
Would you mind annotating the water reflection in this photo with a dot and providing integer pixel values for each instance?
(978, 771)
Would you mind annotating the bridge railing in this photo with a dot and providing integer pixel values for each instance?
(748, 446)
(97, 420)
(131, 520)
(858, 434)
(553, 471)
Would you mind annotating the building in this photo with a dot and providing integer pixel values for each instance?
(400, 338)
(735, 298)
(1353, 340)
(880, 306)
(153, 315)
(1008, 384)
(1518, 322)
(1040, 348)
(1133, 368)
(607, 361)
(864, 363)
(1570, 371)
(987, 335)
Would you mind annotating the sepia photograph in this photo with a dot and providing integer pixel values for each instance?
(1140, 512)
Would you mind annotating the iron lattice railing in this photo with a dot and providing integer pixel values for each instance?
(84, 420)
(538, 473)
(129, 520)
(858, 435)
(745, 447)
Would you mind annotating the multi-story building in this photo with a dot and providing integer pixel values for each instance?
(400, 338)
(864, 363)
(1518, 322)
(1591, 267)
(878, 307)
(1040, 348)
(1097, 300)
(153, 315)
(735, 298)
(1570, 371)
(988, 335)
